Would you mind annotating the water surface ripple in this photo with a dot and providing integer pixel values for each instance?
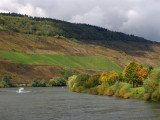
(61, 104)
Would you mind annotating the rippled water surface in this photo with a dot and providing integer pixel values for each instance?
(61, 104)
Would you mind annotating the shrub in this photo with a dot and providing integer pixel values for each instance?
(93, 91)
(152, 86)
(120, 88)
(71, 82)
(127, 95)
(3, 84)
(77, 83)
(124, 89)
(81, 79)
(38, 83)
(79, 89)
(93, 81)
(66, 73)
(102, 88)
(146, 96)
(6, 81)
(110, 91)
(57, 81)
(155, 95)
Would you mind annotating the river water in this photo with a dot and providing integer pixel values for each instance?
(61, 104)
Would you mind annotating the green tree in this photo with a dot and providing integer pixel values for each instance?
(150, 69)
(7, 80)
(57, 81)
(66, 73)
(93, 80)
(38, 83)
(81, 79)
(134, 73)
(152, 86)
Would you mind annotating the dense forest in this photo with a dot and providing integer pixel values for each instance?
(52, 27)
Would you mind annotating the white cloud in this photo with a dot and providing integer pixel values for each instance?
(94, 16)
(27, 8)
(139, 17)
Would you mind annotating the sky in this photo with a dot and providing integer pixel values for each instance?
(137, 17)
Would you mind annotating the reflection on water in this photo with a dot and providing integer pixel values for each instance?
(61, 104)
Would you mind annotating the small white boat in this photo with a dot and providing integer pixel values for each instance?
(21, 90)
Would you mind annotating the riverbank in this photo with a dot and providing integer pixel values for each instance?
(119, 89)
(94, 84)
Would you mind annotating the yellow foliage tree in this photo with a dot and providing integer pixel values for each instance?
(103, 77)
(134, 73)
(110, 78)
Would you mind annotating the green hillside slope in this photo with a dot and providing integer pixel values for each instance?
(88, 62)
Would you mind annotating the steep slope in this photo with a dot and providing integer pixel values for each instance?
(22, 36)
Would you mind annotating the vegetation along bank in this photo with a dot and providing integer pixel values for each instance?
(135, 82)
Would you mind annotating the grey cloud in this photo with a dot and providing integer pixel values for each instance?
(138, 17)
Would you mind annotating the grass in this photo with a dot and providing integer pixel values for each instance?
(2, 29)
(88, 62)
(137, 90)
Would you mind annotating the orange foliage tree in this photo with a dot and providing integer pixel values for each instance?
(134, 73)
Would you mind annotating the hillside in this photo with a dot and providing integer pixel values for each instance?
(47, 45)
(51, 27)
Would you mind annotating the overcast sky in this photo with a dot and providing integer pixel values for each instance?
(138, 17)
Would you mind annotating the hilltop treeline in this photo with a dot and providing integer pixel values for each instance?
(52, 27)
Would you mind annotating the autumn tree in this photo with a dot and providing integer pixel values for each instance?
(103, 77)
(134, 73)
(110, 77)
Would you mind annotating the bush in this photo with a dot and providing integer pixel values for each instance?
(58, 81)
(127, 95)
(93, 81)
(102, 88)
(152, 86)
(3, 84)
(71, 82)
(146, 96)
(79, 89)
(38, 83)
(109, 91)
(66, 73)
(120, 88)
(93, 91)
(81, 79)
(6, 81)
(78, 83)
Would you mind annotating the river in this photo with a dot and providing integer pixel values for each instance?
(61, 104)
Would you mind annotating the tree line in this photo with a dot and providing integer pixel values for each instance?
(52, 27)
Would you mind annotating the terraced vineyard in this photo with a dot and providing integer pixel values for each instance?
(88, 62)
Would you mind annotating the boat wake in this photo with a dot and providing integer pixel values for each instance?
(21, 90)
